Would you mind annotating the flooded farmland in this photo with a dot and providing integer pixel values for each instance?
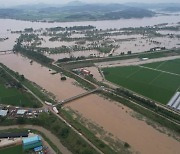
(111, 116)
(114, 118)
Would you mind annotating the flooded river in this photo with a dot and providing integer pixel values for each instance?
(114, 118)
(42, 76)
(20, 25)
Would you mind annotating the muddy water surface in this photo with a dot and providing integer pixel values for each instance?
(114, 119)
(109, 115)
(42, 76)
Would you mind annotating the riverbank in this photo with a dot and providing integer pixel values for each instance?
(89, 105)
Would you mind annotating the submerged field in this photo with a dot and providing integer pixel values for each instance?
(12, 150)
(158, 81)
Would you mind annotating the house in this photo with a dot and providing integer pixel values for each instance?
(85, 72)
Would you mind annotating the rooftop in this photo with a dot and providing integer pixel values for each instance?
(21, 112)
(31, 139)
(3, 113)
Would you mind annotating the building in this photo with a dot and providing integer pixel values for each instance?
(85, 72)
(32, 142)
(21, 112)
(13, 135)
(3, 113)
(174, 102)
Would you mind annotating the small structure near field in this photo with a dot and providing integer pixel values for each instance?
(32, 142)
(3, 113)
(37, 149)
(13, 135)
(21, 112)
(82, 71)
(174, 102)
(85, 72)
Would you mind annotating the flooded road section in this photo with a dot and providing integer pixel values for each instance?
(114, 118)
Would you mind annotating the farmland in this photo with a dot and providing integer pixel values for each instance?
(12, 93)
(157, 81)
(14, 150)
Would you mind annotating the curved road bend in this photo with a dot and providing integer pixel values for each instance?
(46, 132)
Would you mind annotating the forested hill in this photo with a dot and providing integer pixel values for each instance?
(79, 12)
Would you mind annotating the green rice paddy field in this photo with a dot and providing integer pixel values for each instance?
(13, 96)
(158, 81)
(12, 150)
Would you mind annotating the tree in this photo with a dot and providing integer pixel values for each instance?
(22, 77)
(64, 132)
(21, 120)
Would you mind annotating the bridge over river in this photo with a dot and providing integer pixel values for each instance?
(78, 96)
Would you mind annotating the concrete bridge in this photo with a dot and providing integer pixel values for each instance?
(77, 97)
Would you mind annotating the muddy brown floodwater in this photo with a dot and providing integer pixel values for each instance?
(121, 124)
(42, 76)
(141, 136)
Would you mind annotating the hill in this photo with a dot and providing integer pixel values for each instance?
(75, 11)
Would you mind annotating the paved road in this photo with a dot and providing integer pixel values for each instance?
(47, 133)
(42, 102)
(158, 104)
(134, 62)
(112, 92)
(61, 118)
(66, 70)
(76, 131)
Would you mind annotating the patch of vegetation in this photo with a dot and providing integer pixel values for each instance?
(106, 49)
(129, 13)
(171, 66)
(13, 93)
(14, 149)
(150, 83)
(31, 53)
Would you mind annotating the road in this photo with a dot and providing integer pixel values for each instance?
(115, 86)
(158, 104)
(111, 91)
(42, 102)
(60, 117)
(46, 132)
(135, 61)
(66, 70)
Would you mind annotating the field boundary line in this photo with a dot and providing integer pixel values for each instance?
(155, 78)
(160, 70)
(133, 73)
(161, 64)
